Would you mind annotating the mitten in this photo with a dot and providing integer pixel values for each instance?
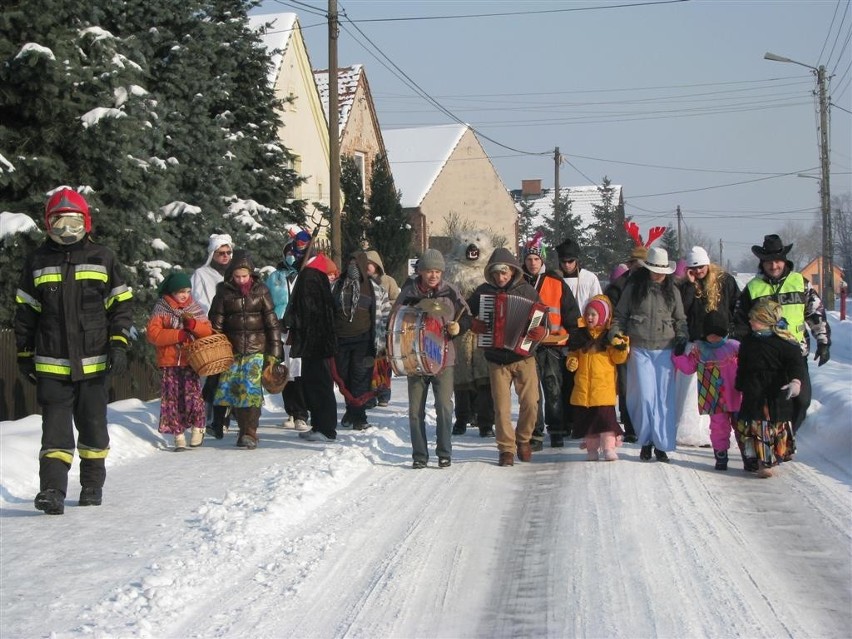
(680, 345)
(184, 337)
(189, 322)
(620, 342)
(572, 364)
(26, 367)
(453, 329)
(537, 333)
(821, 354)
(117, 360)
(792, 388)
(478, 326)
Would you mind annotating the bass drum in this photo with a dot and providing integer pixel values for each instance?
(417, 343)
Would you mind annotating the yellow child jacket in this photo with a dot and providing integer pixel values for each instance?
(595, 377)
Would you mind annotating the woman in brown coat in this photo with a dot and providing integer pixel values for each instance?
(243, 310)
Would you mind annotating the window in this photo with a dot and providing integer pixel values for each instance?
(361, 164)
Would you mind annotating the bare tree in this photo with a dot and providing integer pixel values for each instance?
(841, 206)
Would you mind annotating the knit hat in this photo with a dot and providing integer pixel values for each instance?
(536, 246)
(67, 200)
(300, 242)
(715, 323)
(658, 261)
(431, 260)
(697, 256)
(568, 250)
(322, 263)
(603, 307)
(618, 271)
(174, 281)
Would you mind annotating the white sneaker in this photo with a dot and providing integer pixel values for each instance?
(288, 423)
(180, 442)
(315, 436)
(301, 425)
(197, 437)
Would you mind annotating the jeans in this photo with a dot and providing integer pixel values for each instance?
(442, 389)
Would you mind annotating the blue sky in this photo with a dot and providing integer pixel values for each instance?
(674, 101)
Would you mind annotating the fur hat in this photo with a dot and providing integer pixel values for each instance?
(715, 323)
(773, 249)
(603, 307)
(217, 241)
(568, 250)
(697, 256)
(67, 200)
(174, 281)
(658, 261)
(431, 260)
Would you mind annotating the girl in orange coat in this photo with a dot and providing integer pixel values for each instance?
(593, 361)
(175, 321)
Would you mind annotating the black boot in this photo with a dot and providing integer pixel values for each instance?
(661, 455)
(51, 501)
(460, 427)
(645, 453)
(486, 431)
(557, 440)
(721, 459)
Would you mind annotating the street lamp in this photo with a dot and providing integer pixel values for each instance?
(827, 287)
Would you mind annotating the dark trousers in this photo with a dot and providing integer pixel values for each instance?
(66, 405)
(549, 365)
(356, 371)
(474, 405)
(318, 387)
(622, 401)
(294, 399)
(803, 400)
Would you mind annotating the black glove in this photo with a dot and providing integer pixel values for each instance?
(117, 360)
(680, 345)
(26, 367)
(822, 354)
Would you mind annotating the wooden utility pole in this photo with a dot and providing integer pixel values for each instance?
(827, 281)
(721, 256)
(679, 234)
(334, 135)
(557, 160)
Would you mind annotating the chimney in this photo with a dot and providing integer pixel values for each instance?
(531, 188)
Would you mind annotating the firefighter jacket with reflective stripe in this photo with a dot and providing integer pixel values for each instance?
(72, 305)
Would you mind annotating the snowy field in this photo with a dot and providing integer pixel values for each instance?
(300, 539)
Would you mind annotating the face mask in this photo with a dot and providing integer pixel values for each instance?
(67, 228)
(289, 260)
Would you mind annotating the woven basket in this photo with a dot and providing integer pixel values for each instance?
(210, 355)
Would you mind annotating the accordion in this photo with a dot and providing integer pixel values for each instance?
(509, 319)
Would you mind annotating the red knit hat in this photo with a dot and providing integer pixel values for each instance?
(322, 263)
(602, 306)
(67, 200)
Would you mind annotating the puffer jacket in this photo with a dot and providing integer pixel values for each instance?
(72, 306)
(166, 324)
(249, 322)
(516, 286)
(595, 377)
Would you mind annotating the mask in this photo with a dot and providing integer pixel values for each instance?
(67, 228)
(290, 260)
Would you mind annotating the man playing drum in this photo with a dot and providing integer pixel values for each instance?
(430, 294)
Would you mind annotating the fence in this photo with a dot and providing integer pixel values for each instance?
(18, 397)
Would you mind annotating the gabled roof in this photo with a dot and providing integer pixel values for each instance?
(582, 200)
(347, 86)
(276, 38)
(418, 155)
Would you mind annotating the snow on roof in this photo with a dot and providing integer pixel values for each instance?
(276, 38)
(347, 85)
(418, 155)
(582, 200)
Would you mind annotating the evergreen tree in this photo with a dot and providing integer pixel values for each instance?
(608, 242)
(526, 225)
(669, 242)
(390, 232)
(353, 218)
(564, 224)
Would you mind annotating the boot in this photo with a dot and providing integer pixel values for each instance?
(721, 459)
(764, 471)
(196, 438)
(180, 442)
(248, 419)
(220, 416)
(91, 496)
(51, 501)
(524, 451)
(661, 456)
(645, 453)
(460, 427)
(557, 440)
(536, 444)
(506, 459)
(486, 431)
(592, 444)
(608, 445)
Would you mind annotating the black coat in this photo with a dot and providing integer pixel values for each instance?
(695, 308)
(766, 363)
(310, 316)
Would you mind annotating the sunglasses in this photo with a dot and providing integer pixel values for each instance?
(570, 261)
(224, 253)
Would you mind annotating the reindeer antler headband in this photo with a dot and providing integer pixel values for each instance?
(654, 233)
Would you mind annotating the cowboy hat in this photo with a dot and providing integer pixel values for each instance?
(773, 249)
(658, 261)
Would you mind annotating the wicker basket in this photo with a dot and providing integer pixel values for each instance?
(210, 355)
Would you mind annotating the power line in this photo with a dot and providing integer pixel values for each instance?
(839, 31)
(295, 4)
(717, 186)
(520, 13)
(830, 27)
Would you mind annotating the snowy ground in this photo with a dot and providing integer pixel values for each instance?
(299, 539)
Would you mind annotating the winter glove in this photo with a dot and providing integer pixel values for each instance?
(478, 326)
(680, 345)
(184, 337)
(792, 388)
(821, 354)
(572, 364)
(189, 323)
(537, 333)
(117, 360)
(26, 367)
(453, 328)
(620, 342)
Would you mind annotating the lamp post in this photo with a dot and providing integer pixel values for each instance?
(826, 285)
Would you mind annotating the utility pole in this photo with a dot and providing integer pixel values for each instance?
(334, 134)
(557, 160)
(721, 258)
(827, 282)
(679, 234)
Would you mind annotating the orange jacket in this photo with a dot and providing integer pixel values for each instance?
(165, 326)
